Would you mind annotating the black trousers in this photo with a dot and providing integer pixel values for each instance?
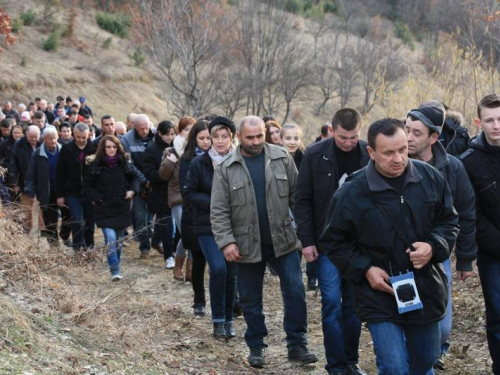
(198, 277)
(51, 214)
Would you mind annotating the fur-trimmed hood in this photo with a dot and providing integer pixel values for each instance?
(455, 117)
(91, 158)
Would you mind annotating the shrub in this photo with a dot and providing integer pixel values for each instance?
(107, 43)
(330, 6)
(28, 17)
(17, 25)
(403, 32)
(114, 23)
(292, 6)
(138, 58)
(54, 40)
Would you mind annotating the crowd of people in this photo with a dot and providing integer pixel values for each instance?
(375, 220)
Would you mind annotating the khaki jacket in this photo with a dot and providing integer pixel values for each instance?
(233, 209)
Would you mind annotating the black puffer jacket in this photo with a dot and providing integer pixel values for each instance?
(197, 191)
(481, 162)
(19, 162)
(358, 235)
(158, 188)
(454, 136)
(188, 229)
(107, 188)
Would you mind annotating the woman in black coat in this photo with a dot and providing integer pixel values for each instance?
(111, 181)
(158, 193)
(6, 146)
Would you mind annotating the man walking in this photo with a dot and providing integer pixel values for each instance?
(252, 194)
(388, 229)
(325, 166)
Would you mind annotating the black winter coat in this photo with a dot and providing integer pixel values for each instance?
(197, 191)
(317, 181)
(464, 201)
(19, 162)
(188, 232)
(158, 188)
(70, 171)
(482, 163)
(5, 155)
(454, 136)
(359, 235)
(107, 188)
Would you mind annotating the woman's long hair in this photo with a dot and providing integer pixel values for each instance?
(269, 124)
(190, 149)
(100, 154)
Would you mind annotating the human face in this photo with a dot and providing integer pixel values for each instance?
(81, 137)
(120, 130)
(169, 137)
(490, 123)
(17, 133)
(89, 121)
(33, 138)
(420, 140)
(60, 112)
(40, 122)
(346, 140)
(73, 118)
(7, 106)
(50, 107)
(142, 128)
(42, 106)
(6, 131)
(291, 140)
(203, 140)
(252, 138)
(274, 133)
(110, 149)
(108, 126)
(391, 154)
(50, 141)
(65, 133)
(221, 141)
(185, 131)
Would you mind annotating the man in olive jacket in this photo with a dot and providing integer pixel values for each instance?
(252, 192)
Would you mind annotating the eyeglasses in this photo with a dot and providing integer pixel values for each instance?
(114, 146)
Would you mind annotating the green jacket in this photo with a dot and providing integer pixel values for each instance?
(233, 209)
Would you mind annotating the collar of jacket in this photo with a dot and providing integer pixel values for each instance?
(377, 183)
(150, 135)
(441, 158)
(43, 152)
(272, 152)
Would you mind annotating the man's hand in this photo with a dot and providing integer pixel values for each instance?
(379, 279)
(310, 253)
(231, 252)
(172, 158)
(422, 254)
(130, 194)
(146, 185)
(61, 202)
(464, 275)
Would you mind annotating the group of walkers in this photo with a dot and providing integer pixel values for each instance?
(375, 220)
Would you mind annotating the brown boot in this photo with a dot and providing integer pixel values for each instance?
(179, 263)
(189, 269)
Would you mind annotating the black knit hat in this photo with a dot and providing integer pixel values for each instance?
(221, 120)
(431, 117)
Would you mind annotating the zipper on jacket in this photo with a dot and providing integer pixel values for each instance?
(402, 199)
(494, 184)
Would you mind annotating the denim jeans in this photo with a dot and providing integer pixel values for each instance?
(405, 349)
(141, 219)
(250, 288)
(445, 324)
(222, 281)
(113, 238)
(341, 326)
(177, 215)
(5, 193)
(82, 222)
(165, 228)
(489, 273)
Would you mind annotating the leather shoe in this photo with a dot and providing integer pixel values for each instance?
(199, 310)
(256, 357)
(355, 370)
(302, 355)
(219, 331)
(230, 332)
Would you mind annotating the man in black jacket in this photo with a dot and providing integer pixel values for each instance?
(393, 216)
(482, 162)
(69, 186)
(424, 126)
(324, 168)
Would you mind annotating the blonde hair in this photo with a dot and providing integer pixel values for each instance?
(286, 127)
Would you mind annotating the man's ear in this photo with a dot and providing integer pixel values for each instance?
(371, 152)
(478, 123)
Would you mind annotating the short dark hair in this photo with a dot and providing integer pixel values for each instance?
(64, 125)
(489, 101)
(38, 115)
(267, 118)
(348, 118)
(387, 126)
(73, 113)
(324, 129)
(105, 117)
(86, 116)
(8, 122)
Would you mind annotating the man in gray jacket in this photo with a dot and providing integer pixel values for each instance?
(252, 194)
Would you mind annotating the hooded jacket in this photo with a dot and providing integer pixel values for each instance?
(454, 136)
(359, 235)
(482, 164)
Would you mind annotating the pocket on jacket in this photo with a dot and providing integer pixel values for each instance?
(242, 237)
(238, 194)
(290, 235)
(283, 186)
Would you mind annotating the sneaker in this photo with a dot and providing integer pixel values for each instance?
(256, 357)
(302, 355)
(145, 254)
(199, 310)
(312, 284)
(116, 277)
(230, 332)
(440, 363)
(170, 263)
(355, 370)
(157, 247)
(219, 331)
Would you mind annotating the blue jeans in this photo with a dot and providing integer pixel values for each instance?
(113, 238)
(405, 349)
(82, 222)
(250, 288)
(445, 324)
(165, 228)
(222, 281)
(5, 193)
(489, 273)
(141, 219)
(341, 326)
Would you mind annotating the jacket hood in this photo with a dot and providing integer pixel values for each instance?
(454, 117)
(441, 157)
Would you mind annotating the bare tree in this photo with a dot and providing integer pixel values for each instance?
(318, 27)
(185, 39)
